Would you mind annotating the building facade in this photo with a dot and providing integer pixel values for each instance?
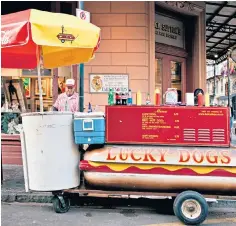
(217, 82)
(158, 44)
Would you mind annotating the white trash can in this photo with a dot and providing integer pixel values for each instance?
(50, 156)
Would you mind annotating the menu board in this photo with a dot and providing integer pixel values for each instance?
(196, 126)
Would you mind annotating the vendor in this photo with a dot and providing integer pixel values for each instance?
(68, 101)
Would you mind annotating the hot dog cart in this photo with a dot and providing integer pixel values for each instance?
(131, 148)
(180, 152)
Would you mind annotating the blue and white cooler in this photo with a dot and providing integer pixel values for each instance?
(89, 128)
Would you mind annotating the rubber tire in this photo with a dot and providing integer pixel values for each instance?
(190, 195)
(57, 206)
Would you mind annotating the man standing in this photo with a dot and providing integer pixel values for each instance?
(68, 101)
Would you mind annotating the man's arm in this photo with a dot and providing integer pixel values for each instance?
(77, 105)
(56, 104)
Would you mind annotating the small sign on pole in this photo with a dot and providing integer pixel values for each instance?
(83, 15)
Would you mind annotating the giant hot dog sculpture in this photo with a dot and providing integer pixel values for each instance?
(161, 168)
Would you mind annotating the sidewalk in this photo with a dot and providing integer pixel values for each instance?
(13, 187)
(13, 190)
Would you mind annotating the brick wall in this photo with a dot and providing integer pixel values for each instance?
(11, 149)
(124, 45)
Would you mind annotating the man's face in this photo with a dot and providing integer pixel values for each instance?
(70, 90)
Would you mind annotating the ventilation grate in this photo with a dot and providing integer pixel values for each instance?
(218, 135)
(189, 135)
(204, 135)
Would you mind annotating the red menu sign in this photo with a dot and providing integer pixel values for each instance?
(192, 126)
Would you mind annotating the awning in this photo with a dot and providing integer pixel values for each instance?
(220, 28)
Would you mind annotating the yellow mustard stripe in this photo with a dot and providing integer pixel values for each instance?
(198, 169)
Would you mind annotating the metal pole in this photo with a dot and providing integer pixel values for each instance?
(40, 88)
(214, 91)
(81, 75)
(39, 79)
(1, 168)
(228, 67)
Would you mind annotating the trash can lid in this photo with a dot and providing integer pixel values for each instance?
(89, 115)
(47, 113)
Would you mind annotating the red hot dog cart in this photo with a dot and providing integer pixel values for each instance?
(175, 151)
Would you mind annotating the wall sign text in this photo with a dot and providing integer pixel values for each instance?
(169, 31)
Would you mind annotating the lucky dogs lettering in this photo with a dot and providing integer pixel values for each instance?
(212, 157)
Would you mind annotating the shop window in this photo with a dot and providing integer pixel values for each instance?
(158, 76)
(176, 73)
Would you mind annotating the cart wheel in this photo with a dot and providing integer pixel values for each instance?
(61, 204)
(62, 41)
(191, 208)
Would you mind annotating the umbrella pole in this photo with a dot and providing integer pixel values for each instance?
(40, 88)
(81, 74)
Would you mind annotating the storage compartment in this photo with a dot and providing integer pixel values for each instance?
(89, 128)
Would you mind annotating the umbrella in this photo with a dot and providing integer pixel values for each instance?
(34, 38)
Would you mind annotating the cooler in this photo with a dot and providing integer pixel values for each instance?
(89, 128)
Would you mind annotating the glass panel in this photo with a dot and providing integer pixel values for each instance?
(176, 78)
(158, 76)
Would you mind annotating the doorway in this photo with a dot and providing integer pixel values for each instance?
(170, 72)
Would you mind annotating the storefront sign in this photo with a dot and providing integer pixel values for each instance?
(167, 125)
(101, 83)
(169, 31)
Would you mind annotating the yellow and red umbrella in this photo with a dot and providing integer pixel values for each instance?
(34, 38)
(64, 39)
